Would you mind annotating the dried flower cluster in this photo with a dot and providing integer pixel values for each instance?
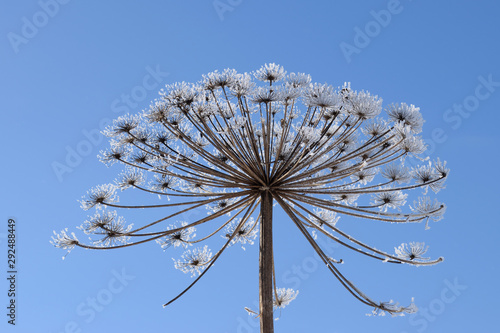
(318, 151)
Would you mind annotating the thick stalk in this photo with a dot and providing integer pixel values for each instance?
(266, 264)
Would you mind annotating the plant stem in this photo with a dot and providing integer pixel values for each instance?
(266, 264)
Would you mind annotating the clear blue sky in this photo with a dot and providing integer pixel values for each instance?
(66, 69)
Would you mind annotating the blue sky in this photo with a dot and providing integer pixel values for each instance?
(68, 67)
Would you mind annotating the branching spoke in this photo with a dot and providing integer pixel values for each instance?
(214, 258)
(385, 255)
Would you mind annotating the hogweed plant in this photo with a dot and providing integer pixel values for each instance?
(238, 147)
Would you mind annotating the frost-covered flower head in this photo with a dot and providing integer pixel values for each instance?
(298, 80)
(412, 251)
(375, 128)
(389, 199)
(364, 176)
(284, 296)
(194, 261)
(265, 95)
(163, 183)
(130, 177)
(179, 237)
(346, 195)
(122, 125)
(114, 232)
(396, 173)
(221, 205)
(407, 114)
(98, 221)
(241, 85)
(64, 241)
(321, 95)
(363, 105)
(181, 94)
(322, 216)
(99, 195)
(270, 72)
(424, 206)
(246, 234)
(238, 146)
(216, 80)
(431, 176)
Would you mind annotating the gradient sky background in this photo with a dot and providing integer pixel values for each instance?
(68, 76)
